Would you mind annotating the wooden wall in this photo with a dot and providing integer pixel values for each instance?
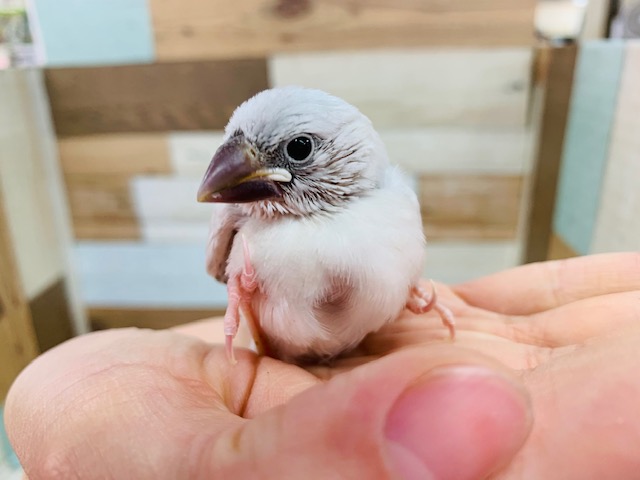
(598, 208)
(34, 220)
(18, 344)
(446, 84)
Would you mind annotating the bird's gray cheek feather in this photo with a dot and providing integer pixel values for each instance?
(236, 174)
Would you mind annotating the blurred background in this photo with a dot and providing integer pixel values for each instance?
(518, 120)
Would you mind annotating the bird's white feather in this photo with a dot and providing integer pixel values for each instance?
(338, 254)
(376, 247)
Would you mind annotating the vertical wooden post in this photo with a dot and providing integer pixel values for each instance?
(557, 84)
(17, 339)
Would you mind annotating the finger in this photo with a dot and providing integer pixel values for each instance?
(130, 404)
(444, 413)
(541, 286)
(91, 409)
(570, 324)
(578, 322)
(586, 404)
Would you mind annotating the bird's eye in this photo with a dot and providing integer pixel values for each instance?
(300, 148)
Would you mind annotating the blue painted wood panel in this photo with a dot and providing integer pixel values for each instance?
(146, 275)
(94, 32)
(586, 146)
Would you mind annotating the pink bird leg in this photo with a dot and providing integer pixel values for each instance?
(240, 290)
(421, 302)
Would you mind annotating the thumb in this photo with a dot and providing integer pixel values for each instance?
(443, 414)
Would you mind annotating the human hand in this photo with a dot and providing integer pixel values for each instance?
(140, 404)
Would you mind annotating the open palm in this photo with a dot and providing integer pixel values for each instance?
(562, 337)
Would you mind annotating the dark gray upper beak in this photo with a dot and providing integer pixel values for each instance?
(237, 174)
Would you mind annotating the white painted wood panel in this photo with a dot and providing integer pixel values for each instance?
(168, 198)
(419, 87)
(418, 150)
(25, 185)
(455, 262)
(177, 231)
(460, 150)
(34, 196)
(191, 152)
(618, 222)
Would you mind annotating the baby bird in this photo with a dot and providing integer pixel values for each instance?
(318, 237)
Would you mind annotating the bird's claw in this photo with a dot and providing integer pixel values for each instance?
(421, 302)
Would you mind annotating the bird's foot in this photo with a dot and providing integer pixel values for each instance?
(232, 316)
(248, 279)
(240, 290)
(421, 302)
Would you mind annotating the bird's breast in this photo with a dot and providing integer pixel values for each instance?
(326, 282)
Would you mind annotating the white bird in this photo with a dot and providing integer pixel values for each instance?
(330, 245)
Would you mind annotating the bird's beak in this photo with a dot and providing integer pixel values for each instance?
(236, 174)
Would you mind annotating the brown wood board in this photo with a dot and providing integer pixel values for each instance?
(188, 29)
(101, 206)
(558, 248)
(548, 155)
(51, 316)
(151, 97)
(123, 154)
(17, 340)
(100, 196)
(102, 318)
(470, 206)
(106, 228)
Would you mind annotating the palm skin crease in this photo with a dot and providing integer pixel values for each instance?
(318, 237)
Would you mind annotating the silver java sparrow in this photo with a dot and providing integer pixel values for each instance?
(318, 237)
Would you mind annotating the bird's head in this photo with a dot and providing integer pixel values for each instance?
(294, 151)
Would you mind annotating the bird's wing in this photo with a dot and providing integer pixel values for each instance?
(225, 223)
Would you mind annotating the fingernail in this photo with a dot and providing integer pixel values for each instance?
(456, 423)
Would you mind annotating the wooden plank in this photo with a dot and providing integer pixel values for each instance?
(136, 274)
(187, 29)
(177, 231)
(122, 154)
(100, 196)
(151, 98)
(154, 318)
(51, 316)
(191, 152)
(417, 150)
(44, 140)
(128, 275)
(459, 261)
(470, 206)
(558, 249)
(455, 205)
(459, 150)
(169, 198)
(89, 33)
(102, 206)
(548, 154)
(17, 340)
(27, 184)
(618, 222)
(421, 87)
(596, 20)
(587, 141)
(106, 229)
